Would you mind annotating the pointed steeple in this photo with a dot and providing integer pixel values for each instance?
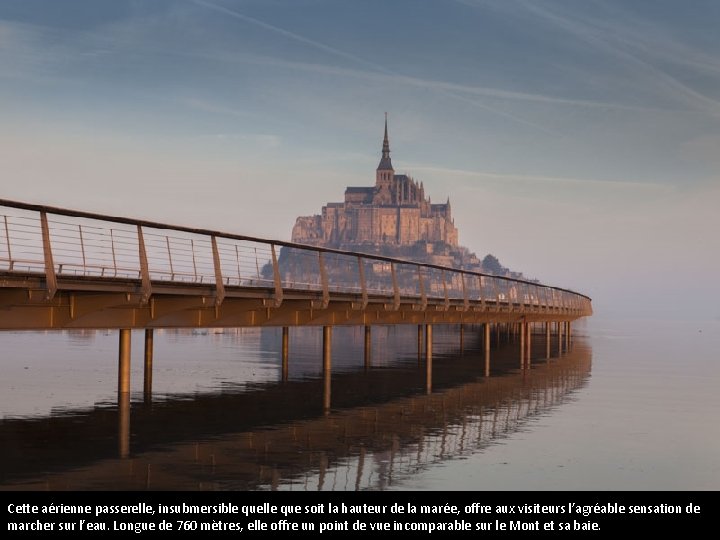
(385, 163)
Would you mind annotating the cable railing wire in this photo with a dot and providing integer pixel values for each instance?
(90, 245)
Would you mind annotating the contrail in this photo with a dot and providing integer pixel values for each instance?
(352, 57)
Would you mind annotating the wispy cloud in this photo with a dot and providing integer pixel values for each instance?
(432, 84)
(259, 139)
(23, 53)
(377, 69)
(607, 39)
(211, 107)
(291, 35)
(610, 184)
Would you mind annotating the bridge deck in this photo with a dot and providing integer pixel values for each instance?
(66, 269)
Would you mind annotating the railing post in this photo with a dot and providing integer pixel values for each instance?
(192, 251)
(237, 259)
(445, 289)
(548, 301)
(363, 285)
(144, 269)
(495, 292)
(7, 239)
(466, 300)
(172, 271)
(112, 249)
(324, 281)
(396, 290)
(219, 286)
(276, 278)
(483, 284)
(82, 248)
(423, 294)
(50, 277)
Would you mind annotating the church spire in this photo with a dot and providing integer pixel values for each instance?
(386, 142)
(385, 163)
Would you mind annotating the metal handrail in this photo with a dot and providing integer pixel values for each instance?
(90, 244)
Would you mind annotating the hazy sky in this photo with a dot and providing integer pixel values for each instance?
(578, 141)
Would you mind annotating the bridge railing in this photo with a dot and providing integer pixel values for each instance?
(60, 244)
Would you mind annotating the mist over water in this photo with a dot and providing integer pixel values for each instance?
(632, 406)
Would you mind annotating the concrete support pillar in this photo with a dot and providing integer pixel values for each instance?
(528, 351)
(486, 344)
(523, 336)
(124, 362)
(428, 358)
(124, 393)
(428, 342)
(124, 425)
(148, 367)
(547, 340)
(368, 346)
(486, 337)
(285, 352)
(567, 336)
(462, 338)
(327, 366)
(560, 337)
(420, 341)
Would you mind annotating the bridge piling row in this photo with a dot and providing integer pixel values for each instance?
(523, 330)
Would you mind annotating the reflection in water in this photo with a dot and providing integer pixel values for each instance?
(388, 417)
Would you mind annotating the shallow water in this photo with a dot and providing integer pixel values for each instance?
(631, 406)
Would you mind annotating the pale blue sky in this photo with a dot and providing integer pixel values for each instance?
(579, 142)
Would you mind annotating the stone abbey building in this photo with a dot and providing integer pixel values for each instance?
(392, 218)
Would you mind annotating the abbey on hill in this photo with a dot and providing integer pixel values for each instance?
(391, 218)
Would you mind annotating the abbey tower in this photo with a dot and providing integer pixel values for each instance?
(392, 218)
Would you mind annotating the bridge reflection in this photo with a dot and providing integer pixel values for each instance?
(383, 424)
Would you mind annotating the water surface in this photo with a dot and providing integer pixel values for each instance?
(631, 406)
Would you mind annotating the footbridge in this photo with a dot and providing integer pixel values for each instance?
(61, 268)
(66, 269)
